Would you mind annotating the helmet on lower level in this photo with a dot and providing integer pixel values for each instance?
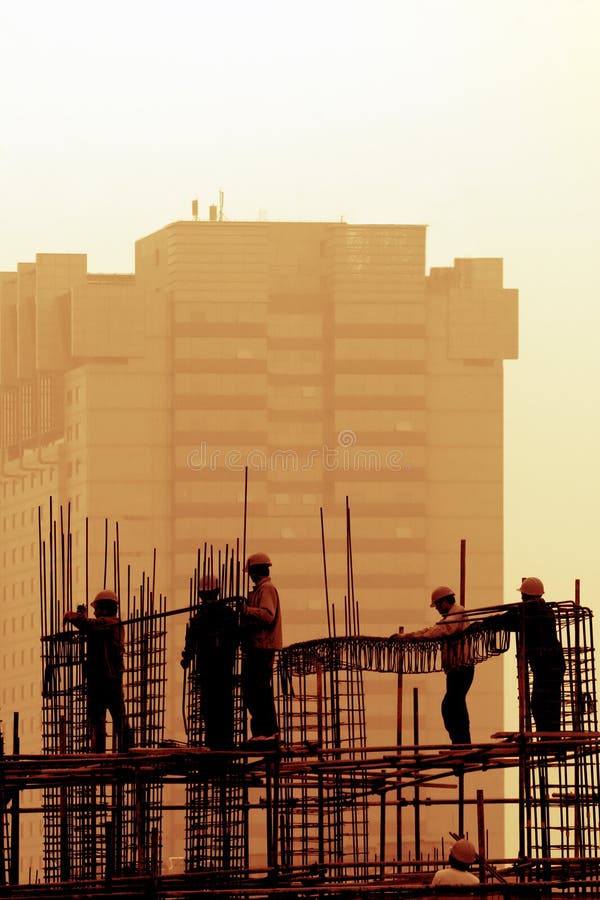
(463, 851)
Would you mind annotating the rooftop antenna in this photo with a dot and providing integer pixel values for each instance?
(221, 201)
(195, 209)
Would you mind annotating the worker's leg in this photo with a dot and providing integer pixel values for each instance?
(96, 714)
(546, 694)
(116, 707)
(257, 679)
(454, 705)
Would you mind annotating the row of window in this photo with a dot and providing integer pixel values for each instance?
(10, 592)
(25, 482)
(73, 396)
(19, 623)
(25, 691)
(20, 552)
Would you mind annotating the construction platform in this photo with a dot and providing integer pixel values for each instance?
(320, 808)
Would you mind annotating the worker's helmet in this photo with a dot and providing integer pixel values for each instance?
(533, 587)
(208, 583)
(440, 593)
(463, 851)
(257, 559)
(106, 600)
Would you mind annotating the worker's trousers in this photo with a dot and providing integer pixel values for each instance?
(454, 705)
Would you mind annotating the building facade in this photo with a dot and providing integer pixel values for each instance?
(322, 357)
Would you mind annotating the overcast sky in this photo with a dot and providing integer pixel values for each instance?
(478, 118)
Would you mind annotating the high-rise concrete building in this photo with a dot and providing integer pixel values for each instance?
(319, 355)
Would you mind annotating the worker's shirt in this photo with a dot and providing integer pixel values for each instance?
(262, 617)
(105, 645)
(454, 876)
(212, 637)
(538, 622)
(455, 653)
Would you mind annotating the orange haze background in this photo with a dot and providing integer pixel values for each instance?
(478, 119)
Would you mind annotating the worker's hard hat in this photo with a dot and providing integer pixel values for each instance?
(106, 598)
(258, 559)
(440, 593)
(533, 587)
(208, 583)
(463, 851)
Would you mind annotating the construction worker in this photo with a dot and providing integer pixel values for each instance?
(261, 638)
(459, 671)
(462, 856)
(211, 641)
(543, 652)
(103, 669)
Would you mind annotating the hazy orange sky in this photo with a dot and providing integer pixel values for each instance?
(476, 117)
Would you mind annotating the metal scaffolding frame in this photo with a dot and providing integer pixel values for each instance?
(315, 800)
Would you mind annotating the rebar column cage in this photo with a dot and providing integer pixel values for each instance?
(324, 820)
(216, 799)
(562, 781)
(94, 828)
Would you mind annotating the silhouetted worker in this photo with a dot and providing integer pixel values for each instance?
(459, 671)
(261, 637)
(103, 669)
(212, 639)
(462, 856)
(543, 652)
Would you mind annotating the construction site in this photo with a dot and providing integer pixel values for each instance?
(321, 806)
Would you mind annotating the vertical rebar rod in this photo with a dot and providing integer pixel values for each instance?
(105, 553)
(461, 802)
(463, 571)
(245, 525)
(325, 573)
(13, 873)
(480, 836)
(399, 717)
(417, 791)
(3, 798)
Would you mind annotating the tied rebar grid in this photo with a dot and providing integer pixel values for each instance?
(216, 820)
(563, 783)
(91, 829)
(6, 849)
(322, 703)
(137, 831)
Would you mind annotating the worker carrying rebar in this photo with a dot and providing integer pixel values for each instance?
(211, 642)
(536, 623)
(261, 638)
(459, 670)
(462, 856)
(103, 669)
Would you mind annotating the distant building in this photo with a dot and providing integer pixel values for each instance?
(321, 356)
